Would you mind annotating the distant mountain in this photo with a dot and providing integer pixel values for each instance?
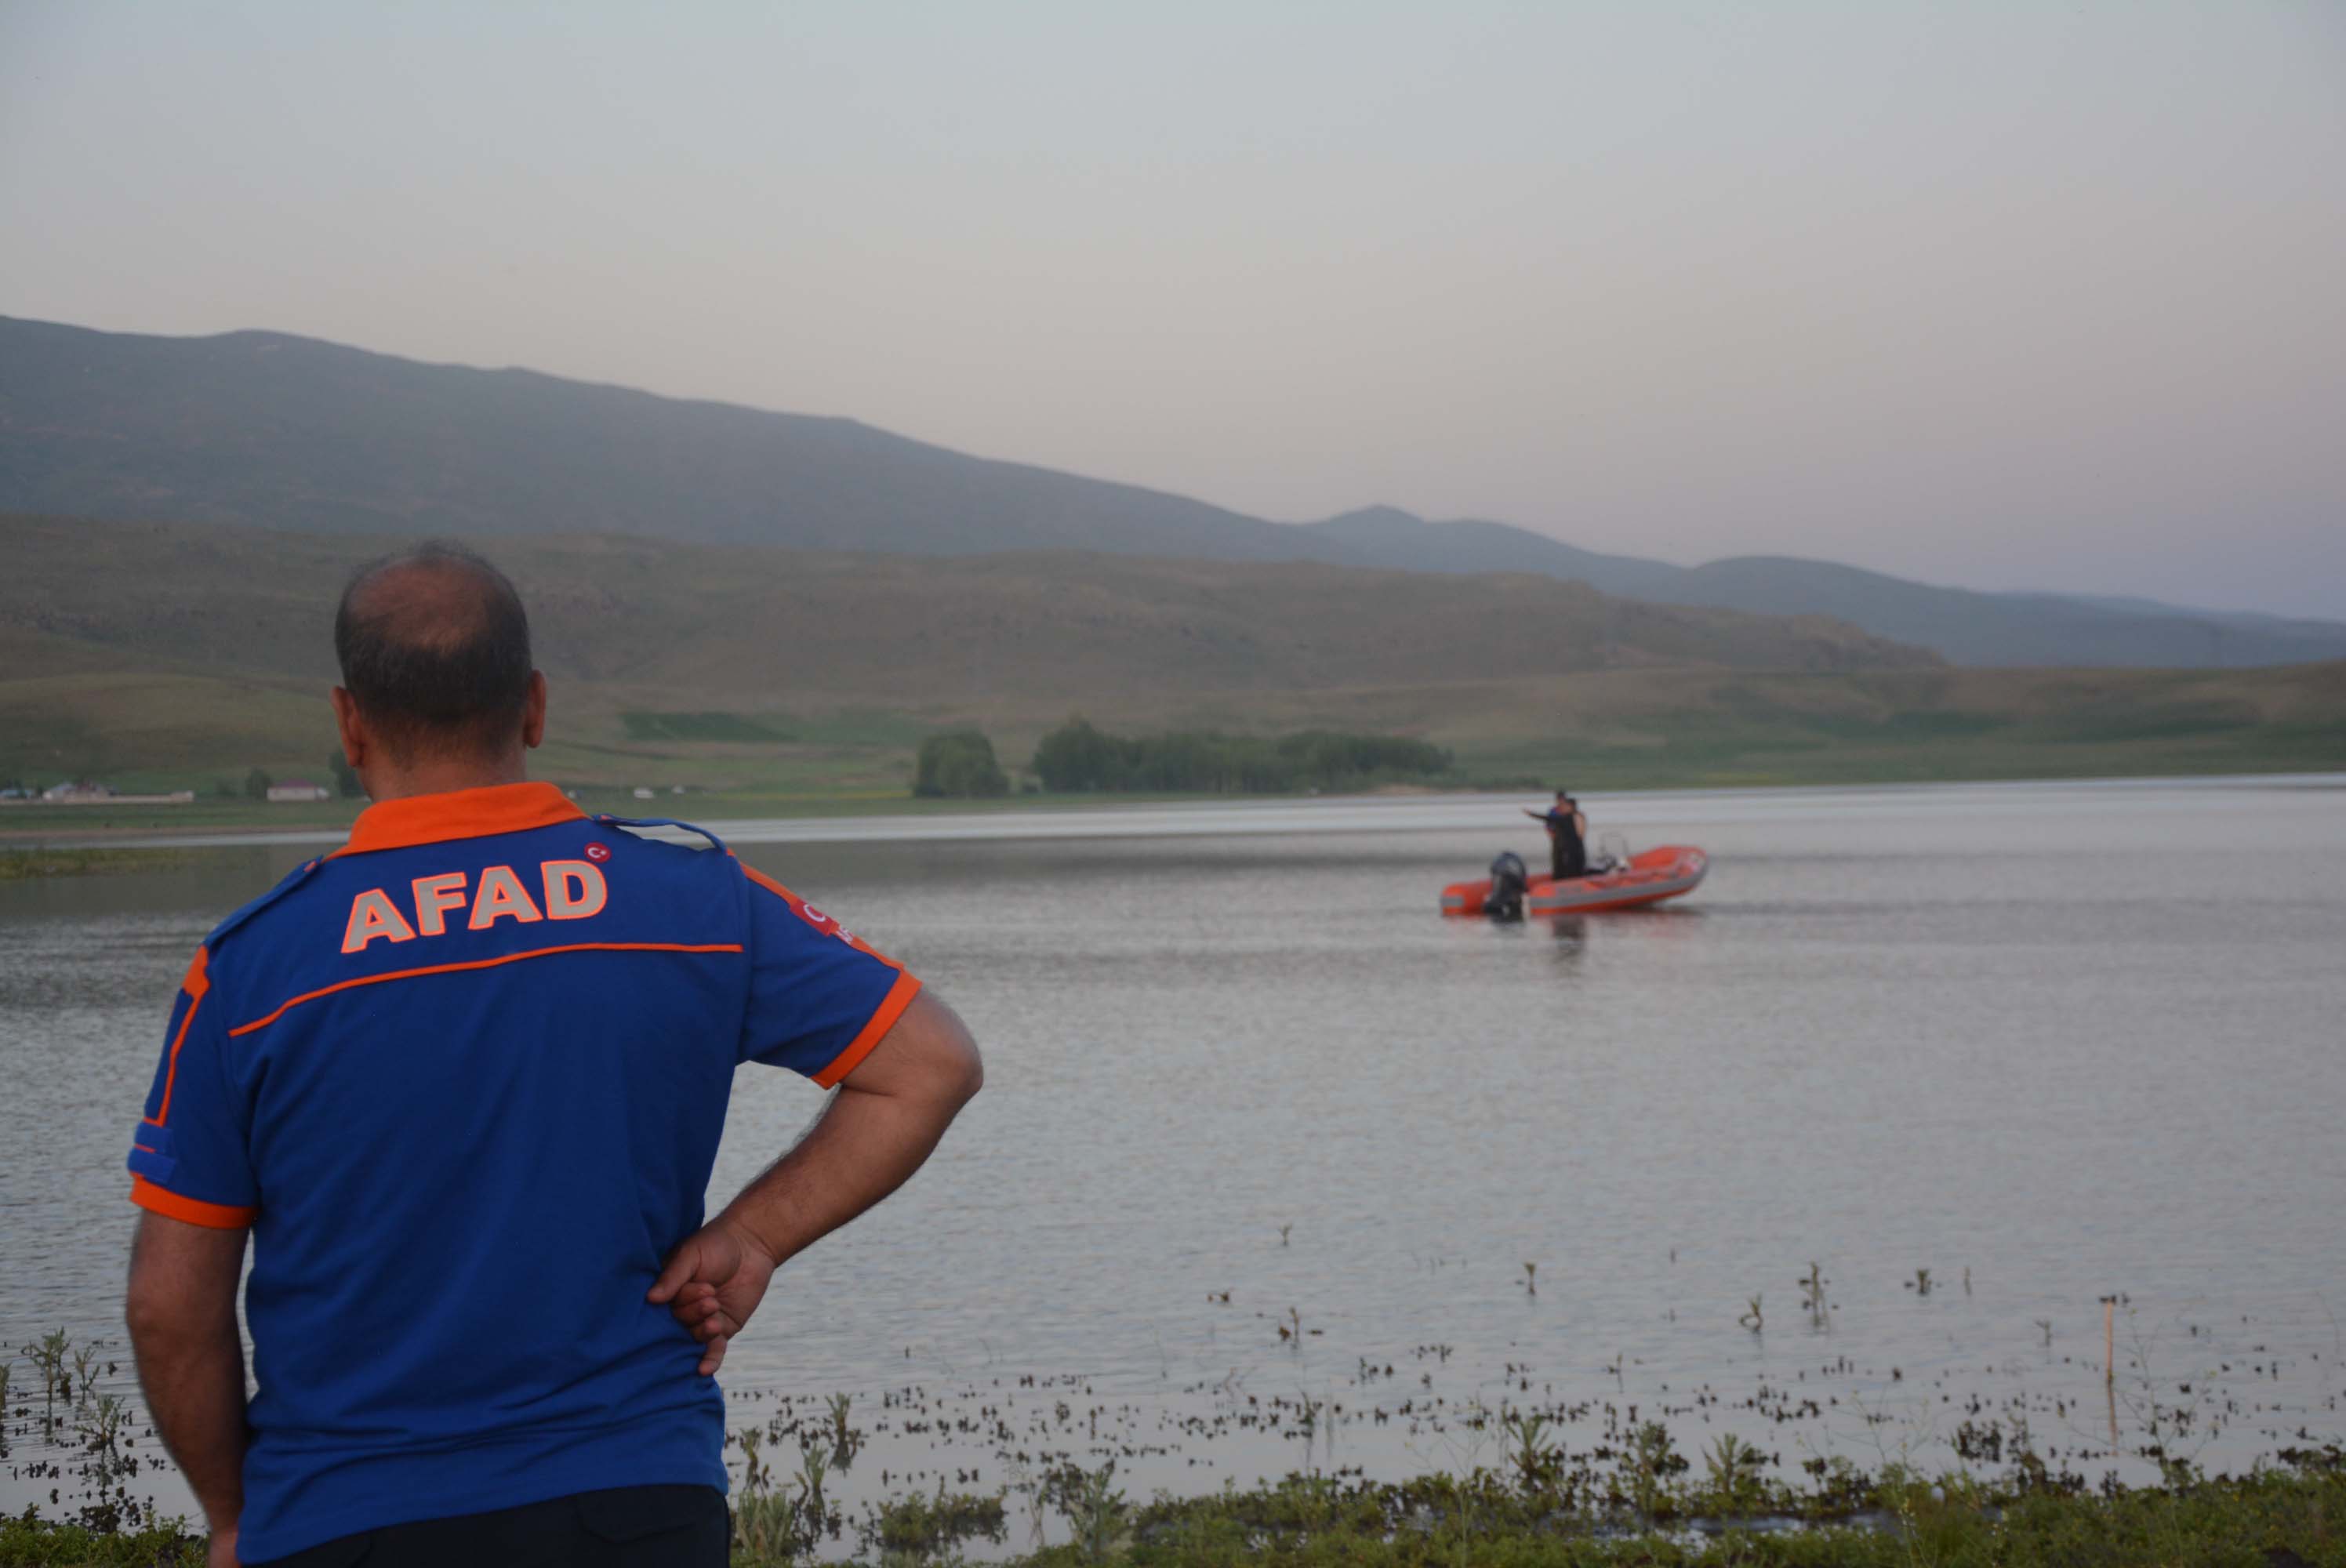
(2255, 621)
(286, 433)
(1388, 536)
(1965, 626)
(290, 433)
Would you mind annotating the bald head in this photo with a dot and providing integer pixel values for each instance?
(434, 650)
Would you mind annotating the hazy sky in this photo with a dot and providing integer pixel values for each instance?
(2016, 294)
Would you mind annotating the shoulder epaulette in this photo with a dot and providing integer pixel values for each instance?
(293, 879)
(658, 822)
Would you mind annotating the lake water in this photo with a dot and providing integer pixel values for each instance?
(2049, 1043)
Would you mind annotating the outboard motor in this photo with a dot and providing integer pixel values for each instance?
(1612, 854)
(1510, 878)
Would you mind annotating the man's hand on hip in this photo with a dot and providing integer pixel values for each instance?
(886, 1117)
(713, 1283)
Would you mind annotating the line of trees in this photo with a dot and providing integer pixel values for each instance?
(1078, 758)
(961, 766)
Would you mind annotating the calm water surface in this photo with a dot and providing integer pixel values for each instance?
(2050, 1043)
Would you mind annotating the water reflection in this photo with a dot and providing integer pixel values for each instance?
(1961, 1030)
(1570, 935)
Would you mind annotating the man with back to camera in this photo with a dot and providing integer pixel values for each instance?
(461, 1082)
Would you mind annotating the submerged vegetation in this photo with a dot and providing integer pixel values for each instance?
(1076, 759)
(1527, 1481)
(83, 1439)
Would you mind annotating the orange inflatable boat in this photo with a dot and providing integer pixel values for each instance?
(1670, 872)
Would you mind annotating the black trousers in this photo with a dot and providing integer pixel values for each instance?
(629, 1527)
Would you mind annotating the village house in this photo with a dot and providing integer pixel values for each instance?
(82, 792)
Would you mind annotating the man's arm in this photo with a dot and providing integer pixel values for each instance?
(181, 1311)
(876, 1132)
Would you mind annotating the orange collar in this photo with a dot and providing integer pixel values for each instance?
(458, 814)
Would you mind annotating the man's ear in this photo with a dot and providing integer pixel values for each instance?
(353, 731)
(532, 711)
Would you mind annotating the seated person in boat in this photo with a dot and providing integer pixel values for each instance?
(1568, 836)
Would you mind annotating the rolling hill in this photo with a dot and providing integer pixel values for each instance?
(1051, 628)
(180, 655)
(1965, 626)
(268, 429)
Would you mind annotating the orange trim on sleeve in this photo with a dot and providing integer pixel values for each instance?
(767, 882)
(815, 918)
(162, 1200)
(892, 1007)
(285, 1007)
(195, 985)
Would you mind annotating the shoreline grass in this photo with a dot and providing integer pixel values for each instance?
(20, 864)
(31, 831)
(2280, 1515)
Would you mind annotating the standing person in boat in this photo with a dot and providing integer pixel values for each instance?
(461, 1081)
(1568, 836)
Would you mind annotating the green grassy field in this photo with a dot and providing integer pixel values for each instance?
(153, 657)
(1608, 731)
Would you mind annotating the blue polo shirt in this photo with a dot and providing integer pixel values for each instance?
(464, 1079)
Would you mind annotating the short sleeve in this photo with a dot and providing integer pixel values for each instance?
(189, 1156)
(819, 997)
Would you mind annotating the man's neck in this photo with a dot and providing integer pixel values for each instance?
(440, 778)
